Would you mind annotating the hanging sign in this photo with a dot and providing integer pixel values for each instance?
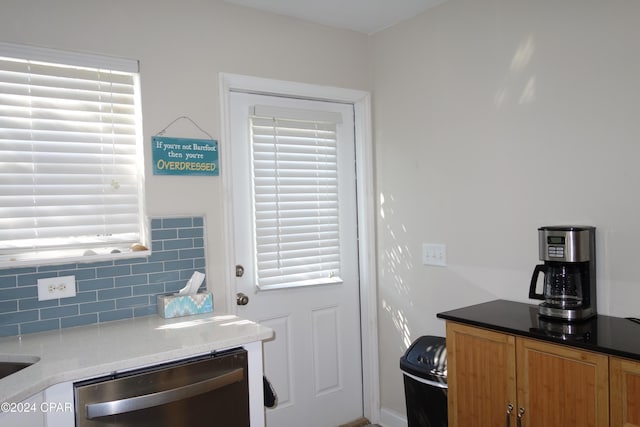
(184, 156)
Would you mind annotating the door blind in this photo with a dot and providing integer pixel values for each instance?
(295, 187)
(70, 169)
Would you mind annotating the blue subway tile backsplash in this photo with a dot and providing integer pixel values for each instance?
(105, 291)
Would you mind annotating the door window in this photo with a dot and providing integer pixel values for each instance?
(295, 197)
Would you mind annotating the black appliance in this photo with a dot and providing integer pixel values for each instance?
(569, 255)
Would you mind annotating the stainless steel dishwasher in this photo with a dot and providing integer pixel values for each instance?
(210, 390)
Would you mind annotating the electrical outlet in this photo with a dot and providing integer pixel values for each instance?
(56, 287)
(434, 254)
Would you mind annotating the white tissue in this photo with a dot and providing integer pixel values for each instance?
(193, 284)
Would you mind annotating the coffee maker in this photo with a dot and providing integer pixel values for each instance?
(569, 255)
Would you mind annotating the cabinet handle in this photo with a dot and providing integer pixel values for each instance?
(520, 414)
(509, 409)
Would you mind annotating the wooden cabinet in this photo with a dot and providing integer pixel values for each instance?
(561, 386)
(625, 392)
(547, 385)
(481, 375)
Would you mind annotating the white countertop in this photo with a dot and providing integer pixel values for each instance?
(88, 351)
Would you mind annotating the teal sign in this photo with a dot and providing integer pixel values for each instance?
(184, 156)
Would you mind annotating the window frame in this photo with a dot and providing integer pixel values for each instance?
(141, 248)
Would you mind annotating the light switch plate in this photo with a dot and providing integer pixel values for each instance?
(434, 254)
(56, 287)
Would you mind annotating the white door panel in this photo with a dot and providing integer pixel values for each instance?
(279, 362)
(314, 360)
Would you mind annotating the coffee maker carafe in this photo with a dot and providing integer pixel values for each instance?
(569, 269)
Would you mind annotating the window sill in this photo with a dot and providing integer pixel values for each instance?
(82, 259)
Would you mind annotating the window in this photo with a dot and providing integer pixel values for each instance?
(71, 170)
(295, 196)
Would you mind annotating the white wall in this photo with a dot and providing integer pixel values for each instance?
(182, 46)
(492, 118)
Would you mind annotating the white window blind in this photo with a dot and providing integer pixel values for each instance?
(71, 176)
(295, 185)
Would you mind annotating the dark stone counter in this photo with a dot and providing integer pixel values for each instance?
(603, 334)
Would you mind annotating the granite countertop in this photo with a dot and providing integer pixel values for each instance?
(603, 334)
(87, 351)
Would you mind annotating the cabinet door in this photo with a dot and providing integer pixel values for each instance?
(560, 386)
(26, 413)
(481, 376)
(625, 393)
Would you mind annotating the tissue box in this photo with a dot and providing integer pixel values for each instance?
(174, 305)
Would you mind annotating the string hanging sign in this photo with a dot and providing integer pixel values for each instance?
(184, 156)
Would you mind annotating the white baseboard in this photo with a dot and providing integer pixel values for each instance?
(390, 418)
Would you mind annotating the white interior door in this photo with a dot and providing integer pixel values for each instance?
(314, 361)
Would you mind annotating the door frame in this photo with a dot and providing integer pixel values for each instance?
(361, 101)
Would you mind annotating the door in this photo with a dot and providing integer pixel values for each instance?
(295, 239)
(560, 386)
(625, 392)
(481, 377)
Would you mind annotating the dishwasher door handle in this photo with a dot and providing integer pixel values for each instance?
(115, 407)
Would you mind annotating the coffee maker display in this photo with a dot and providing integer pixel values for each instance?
(569, 255)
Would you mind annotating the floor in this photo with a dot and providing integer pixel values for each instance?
(362, 422)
